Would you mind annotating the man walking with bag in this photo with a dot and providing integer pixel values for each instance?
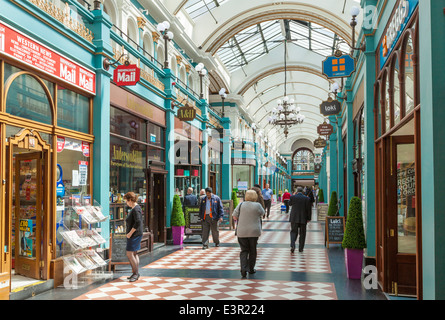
(300, 214)
(211, 213)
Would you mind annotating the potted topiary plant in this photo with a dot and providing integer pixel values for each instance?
(354, 239)
(177, 221)
(333, 204)
(320, 196)
(235, 199)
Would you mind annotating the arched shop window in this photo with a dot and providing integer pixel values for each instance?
(386, 103)
(28, 96)
(377, 110)
(395, 84)
(303, 159)
(408, 72)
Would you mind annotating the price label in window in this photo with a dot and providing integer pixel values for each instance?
(83, 173)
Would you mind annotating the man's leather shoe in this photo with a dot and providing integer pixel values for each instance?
(292, 250)
(252, 271)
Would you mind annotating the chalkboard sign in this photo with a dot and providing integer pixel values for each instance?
(118, 249)
(193, 224)
(334, 230)
(228, 209)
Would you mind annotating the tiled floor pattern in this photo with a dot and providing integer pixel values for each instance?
(273, 256)
(227, 258)
(163, 288)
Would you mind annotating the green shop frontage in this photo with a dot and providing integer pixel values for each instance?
(66, 123)
(386, 146)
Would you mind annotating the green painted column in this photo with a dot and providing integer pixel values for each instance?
(369, 66)
(333, 168)
(432, 96)
(226, 165)
(340, 178)
(101, 117)
(205, 160)
(349, 145)
(169, 141)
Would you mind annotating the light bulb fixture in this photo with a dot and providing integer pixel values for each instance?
(167, 36)
(355, 11)
(223, 96)
(202, 72)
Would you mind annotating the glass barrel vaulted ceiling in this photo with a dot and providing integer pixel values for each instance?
(253, 55)
(258, 40)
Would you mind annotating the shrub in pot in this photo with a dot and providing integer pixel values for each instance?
(320, 196)
(235, 199)
(333, 204)
(354, 239)
(177, 221)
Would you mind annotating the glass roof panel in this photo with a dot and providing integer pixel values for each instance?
(196, 8)
(259, 39)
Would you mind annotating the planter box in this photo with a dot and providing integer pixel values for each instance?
(354, 263)
(178, 235)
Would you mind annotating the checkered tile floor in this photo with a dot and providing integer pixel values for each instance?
(273, 256)
(227, 258)
(173, 288)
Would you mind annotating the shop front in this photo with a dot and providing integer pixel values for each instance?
(397, 145)
(45, 154)
(188, 164)
(215, 158)
(137, 162)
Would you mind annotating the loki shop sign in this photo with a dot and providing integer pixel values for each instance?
(330, 107)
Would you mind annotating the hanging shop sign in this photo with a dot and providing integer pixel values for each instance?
(126, 75)
(325, 129)
(186, 113)
(330, 107)
(320, 143)
(26, 50)
(338, 66)
(401, 16)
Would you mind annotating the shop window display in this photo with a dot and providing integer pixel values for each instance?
(72, 179)
(128, 160)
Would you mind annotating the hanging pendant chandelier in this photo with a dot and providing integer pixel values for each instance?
(286, 114)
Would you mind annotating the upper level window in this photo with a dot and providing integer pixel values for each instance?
(303, 159)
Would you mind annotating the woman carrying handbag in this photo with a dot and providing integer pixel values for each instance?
(248, 229)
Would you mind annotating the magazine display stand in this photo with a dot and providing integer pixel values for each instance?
(83, 263)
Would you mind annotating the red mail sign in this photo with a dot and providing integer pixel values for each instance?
(127, 75)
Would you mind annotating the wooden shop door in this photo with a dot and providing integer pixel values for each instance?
(27, 204)
(157, 205)
(401, 219)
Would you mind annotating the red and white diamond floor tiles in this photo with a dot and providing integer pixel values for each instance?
(273, 256)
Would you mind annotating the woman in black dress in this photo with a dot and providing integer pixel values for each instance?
(134, 233)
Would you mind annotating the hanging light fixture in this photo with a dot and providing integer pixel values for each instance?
(286, 114)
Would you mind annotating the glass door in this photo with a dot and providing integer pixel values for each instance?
(402, 240)
(27, 213)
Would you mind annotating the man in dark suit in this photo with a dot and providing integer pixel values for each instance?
(211, 213)
(300, 214)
